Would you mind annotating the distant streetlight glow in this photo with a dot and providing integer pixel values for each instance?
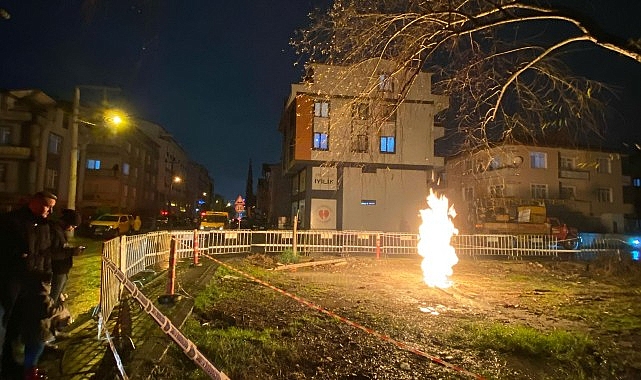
(115, 118)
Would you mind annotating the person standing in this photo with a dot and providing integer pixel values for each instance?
(24, 250)
(61, 252)
(137, 224)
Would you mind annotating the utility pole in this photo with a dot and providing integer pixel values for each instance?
(73, 159)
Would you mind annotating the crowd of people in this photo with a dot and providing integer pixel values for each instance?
(36, 259)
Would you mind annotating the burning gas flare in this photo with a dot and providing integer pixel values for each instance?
(435, 235)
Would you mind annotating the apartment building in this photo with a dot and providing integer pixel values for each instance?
(582, 187)
(357, 157)
(132, 169)
(180, 182)
(117, 171)
(34, 146)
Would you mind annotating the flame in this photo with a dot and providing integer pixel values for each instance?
(435, 235)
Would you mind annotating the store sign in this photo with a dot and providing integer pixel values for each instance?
(324, 178)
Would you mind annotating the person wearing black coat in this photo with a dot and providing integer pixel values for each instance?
(25, 243)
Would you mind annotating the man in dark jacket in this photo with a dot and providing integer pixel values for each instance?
(24, 252)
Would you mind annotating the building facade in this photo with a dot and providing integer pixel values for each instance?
(356, 156)
(34, 146)
(117, 171)
(138, 168)
(583, 188)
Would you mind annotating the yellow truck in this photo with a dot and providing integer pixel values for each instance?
(214, 220)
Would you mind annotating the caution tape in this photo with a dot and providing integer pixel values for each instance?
(399, 344)
(188, 347)
(112, 347)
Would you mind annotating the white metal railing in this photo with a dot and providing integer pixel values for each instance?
(134, 254)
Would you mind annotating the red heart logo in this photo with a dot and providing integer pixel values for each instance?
(323, 214)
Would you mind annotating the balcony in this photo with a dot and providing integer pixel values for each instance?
(574, 174)
(14, 152)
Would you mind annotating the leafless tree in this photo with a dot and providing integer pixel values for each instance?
(501, 62)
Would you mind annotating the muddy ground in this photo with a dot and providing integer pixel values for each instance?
(368, 318)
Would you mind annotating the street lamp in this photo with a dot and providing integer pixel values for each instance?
(73, 163)
(175, 179)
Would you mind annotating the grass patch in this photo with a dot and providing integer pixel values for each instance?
(289, 257)
(223, 286)
(83, 286)
(616, 314)
(240, 353)
(522, 340)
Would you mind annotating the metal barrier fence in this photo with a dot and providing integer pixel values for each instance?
(126, 256)
(509, 246)
(138, 253)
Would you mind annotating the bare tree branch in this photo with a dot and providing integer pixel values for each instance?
(500, 62)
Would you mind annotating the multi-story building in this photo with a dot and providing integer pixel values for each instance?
(359, 159)
(138, 168)
(117, 171)
(582, 187)
(34, 146)
(180, 182)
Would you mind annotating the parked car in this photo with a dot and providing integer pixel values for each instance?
(111, 225)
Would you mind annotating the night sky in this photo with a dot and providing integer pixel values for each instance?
(215, 74)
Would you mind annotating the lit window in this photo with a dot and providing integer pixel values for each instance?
(538, 160)
(55, 143)
(388, 144)
(320, 141)
(93, 164)
(321, 109)
(368, 202)
(636, 182)
(604, 195)
(539, 191)
(125, 168)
